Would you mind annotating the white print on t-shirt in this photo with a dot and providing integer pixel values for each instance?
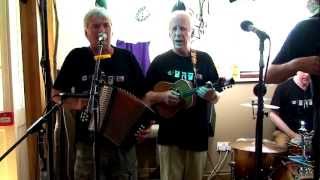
(84, 78)
(184, 75)
(199, 76)
(120, 78)
(302, 102)
(112, 79)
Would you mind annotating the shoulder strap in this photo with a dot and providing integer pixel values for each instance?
(194, 64)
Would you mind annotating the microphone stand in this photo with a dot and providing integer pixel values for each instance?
(92, 108)
(259, 90)
(45, 64)
(36, 126)
(315, 87)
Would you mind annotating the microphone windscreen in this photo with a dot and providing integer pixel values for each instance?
(245, 25)
(179, 6)
(102, 36)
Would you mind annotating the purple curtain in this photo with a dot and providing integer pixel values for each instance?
(140, 51)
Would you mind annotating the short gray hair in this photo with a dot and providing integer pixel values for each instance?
(95, 12)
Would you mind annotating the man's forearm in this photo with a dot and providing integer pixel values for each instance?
(278, 73)
(281, 125)
(152, 97)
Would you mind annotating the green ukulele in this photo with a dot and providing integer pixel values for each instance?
(187, 94)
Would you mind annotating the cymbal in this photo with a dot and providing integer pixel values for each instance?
(255, 105)
(248, 144)
(253, 98)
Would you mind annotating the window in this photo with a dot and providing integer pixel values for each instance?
(1, 84)
(223, 38)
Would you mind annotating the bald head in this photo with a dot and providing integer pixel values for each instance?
(180, 15)
(180, 32)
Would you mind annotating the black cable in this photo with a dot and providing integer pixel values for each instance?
(57, 23)
(268, 58)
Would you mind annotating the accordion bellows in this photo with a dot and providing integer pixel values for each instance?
(120, 116)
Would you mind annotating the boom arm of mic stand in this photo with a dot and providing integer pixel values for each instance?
(33, 128)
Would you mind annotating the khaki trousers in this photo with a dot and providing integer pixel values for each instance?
(179, 164)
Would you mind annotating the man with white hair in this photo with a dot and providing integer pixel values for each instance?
(183, 136)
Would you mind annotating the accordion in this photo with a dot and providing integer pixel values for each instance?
(120, 116)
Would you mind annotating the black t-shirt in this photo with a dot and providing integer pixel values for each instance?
(121, 70)
(295, 104)
(188, 129)
(303, 40)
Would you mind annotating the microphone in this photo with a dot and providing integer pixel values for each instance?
(102, 36)
(248, 26)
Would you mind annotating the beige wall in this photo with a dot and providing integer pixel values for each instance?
(8, 166)
(235, 121)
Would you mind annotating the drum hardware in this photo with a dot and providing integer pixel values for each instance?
(232, 165)
(254, 105)
(302, 128)
(305, 172)
(291, 169)
(306, 140)
(300, 160)
(303, 165)
(301, 146)
(243, 164)
(297, 164)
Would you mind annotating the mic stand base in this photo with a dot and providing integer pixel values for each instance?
(36, 126)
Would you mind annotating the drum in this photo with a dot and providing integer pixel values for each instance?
(244, 157)
(121, 115)
(292, 171)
